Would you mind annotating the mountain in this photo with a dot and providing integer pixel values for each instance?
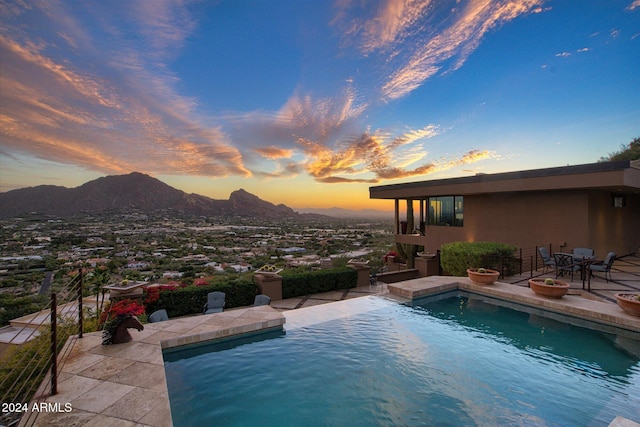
(132, 192)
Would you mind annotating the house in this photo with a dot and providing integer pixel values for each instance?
(592, 205)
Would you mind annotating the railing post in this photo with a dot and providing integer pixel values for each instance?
(54, 344)
(520, 258)
(531, 268)
(80, 314)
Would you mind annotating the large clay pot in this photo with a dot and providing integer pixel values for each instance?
(557, 290)
(486, 278)
(629, 303)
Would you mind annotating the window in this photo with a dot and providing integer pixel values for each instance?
(446, 211)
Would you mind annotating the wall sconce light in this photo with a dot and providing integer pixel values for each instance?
(618, 200)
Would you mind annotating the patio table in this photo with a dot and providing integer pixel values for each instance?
(583, 260)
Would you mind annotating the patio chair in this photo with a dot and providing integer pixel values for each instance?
(605, 267)
(215, 302)
(158, 316)
(547, 259)
(261, 300)
(582, 253)
(564, 264)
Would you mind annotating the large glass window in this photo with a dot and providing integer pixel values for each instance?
(446, 211)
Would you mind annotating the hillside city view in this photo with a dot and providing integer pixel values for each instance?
(319, 213)
(165, 248)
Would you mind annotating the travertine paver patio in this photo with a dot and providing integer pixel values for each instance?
(124, 384)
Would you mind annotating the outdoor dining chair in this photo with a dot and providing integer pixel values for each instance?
(565, 264)
(547, 259)
(605, 267)
(579, 253)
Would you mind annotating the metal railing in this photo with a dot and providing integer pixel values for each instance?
(39, 343)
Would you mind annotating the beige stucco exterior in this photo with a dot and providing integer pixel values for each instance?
(566, 207)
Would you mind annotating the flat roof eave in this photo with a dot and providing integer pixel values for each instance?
(621, 176)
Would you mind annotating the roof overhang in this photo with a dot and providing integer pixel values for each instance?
(616, 177)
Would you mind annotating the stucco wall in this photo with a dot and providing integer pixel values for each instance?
(614, 229)
(562, 218)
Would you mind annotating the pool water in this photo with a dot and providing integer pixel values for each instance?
(454, 361)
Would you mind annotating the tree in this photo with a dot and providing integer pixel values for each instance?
(630, 152)
(100, 279)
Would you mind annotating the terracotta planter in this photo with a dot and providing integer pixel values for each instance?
(629, 303)
(558, 290)
(483, 278)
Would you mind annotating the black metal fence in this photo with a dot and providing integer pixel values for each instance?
(39, 347)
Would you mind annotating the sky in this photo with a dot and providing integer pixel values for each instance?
(311, 102)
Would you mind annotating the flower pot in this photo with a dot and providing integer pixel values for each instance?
(629, 303)
(558, 290)
(486, 278)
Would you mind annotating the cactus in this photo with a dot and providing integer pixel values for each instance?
(550, 282)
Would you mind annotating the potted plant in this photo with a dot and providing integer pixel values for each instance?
(548, 287)
(117, 318)
(269, 269)
(483, 276)
(630, 303)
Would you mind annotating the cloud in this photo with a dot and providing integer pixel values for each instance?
(379, 155)
(634, 4)
(96, 89)
(392, 23)
(273, 152)
(116, 112)
(415, 43)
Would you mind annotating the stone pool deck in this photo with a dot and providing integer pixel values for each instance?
(579, 305)
(125, 385)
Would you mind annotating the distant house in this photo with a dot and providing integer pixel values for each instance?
(593, 205)
(137, 265)
(241, 268)
(171, 274)
(95, 261)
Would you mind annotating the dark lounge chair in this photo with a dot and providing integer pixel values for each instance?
(215, 302)
(261, 300)
(158, 316)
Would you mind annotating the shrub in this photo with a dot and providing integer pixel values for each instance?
(457, 257)
(190, 299)
(125, 307)
(315, 282)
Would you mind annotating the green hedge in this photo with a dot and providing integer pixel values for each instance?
(191, 299)
(315, 282)
(457, 257)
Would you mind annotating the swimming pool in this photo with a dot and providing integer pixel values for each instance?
(454, 360)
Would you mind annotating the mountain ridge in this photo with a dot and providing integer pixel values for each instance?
(132, 192)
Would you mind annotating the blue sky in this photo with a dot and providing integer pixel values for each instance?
(310, 102)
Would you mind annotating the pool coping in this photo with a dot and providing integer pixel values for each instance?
(125, 384)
